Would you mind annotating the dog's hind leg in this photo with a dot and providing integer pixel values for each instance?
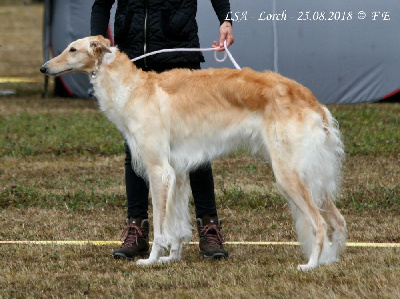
(310, 225)
(338, 225)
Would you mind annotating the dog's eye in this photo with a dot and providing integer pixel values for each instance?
(72, 49)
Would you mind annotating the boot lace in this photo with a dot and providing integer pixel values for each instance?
(212, 234)
(130, 235)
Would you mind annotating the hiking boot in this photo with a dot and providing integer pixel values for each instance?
(211, 239)
(135, 239)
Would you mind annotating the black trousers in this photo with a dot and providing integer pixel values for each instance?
(201, 180)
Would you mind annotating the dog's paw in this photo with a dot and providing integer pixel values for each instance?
(168, 259)
(329, 261)
(144, 262)
(306, 267)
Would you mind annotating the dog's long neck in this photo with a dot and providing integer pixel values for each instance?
(113, 76)
(114, 81)
(114, 65)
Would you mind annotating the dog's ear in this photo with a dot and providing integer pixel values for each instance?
(98, 47)
(104, 40)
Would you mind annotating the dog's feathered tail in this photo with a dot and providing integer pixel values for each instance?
(308, 172)
(319, 165)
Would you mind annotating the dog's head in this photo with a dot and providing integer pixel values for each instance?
(83, 55)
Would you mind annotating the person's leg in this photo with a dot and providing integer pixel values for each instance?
(202, 184)
(135, 235)
(208, 224)
(137, 190)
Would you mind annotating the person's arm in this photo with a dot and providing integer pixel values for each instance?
(222, 8)
(100, 17)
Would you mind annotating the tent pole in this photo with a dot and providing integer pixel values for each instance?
(46, 42)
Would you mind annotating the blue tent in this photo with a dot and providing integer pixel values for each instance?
(344, 51)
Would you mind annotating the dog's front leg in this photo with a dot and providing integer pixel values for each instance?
(161, 179)
(177, 226)
(174, 253)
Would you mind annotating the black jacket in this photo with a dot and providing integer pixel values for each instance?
(143, 26)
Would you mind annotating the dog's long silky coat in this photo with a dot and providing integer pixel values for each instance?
(180, 119)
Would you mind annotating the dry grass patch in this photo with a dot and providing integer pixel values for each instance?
(54, 174)
(21, 41)
(252, 272)
(51, 106)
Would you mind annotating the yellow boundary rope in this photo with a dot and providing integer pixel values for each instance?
(99, 243)
(17, 80)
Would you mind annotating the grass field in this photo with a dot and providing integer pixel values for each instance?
(61, 178)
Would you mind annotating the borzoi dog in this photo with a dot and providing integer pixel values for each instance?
(180, 119)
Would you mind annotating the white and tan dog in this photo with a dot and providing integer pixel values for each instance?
(180, 119)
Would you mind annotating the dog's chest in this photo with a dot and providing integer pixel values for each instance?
(112, 99)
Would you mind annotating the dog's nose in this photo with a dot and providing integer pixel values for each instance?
(43, 69)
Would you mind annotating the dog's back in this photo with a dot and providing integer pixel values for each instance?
(226, 108)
